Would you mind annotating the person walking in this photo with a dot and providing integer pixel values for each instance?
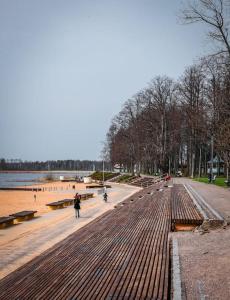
(77, 206)
(105, 197)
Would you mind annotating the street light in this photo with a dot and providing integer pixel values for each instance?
(103, 175)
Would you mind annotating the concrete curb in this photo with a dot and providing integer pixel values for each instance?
(203, 213)
(205, 204)
(176, 280)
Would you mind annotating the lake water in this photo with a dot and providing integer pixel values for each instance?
(23, 179)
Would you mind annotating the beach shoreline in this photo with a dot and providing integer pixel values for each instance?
(14, 201)
(45, 171)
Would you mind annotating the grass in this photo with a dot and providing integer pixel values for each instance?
(99, 175)
(219, 181)
(125, 178)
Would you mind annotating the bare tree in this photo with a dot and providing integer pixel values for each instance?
(223, 144)
(191, 91)
(214, 13)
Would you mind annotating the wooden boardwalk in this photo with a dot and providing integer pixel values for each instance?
(124, 254)
(183, 209)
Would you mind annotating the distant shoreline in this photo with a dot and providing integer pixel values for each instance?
(45, 171)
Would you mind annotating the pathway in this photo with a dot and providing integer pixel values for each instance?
(21, 243)
(205, 257)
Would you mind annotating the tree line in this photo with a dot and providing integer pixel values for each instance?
(52, 165)
(173, 125)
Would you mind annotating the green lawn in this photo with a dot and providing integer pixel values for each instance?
(219, 181)
(125, 178)
(98, 175)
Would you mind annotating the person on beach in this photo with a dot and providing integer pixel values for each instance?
(77, 207)
(35, 197)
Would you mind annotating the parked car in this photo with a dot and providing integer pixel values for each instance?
(179, 174)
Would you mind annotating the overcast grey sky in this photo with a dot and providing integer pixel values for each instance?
(67, 66)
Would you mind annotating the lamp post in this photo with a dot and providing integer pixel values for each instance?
(103, 175)
(212, 146)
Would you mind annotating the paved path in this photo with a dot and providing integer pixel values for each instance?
(218, 197)
(24, 241)
(204, 258)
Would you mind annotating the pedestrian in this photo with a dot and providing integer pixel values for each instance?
(209, 177)
(35, 197)
(105, 197)
(77, 207)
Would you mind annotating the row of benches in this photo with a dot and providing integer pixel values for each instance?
(27, 215)
(20, 216)
(67, 202)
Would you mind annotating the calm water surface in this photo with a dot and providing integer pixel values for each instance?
(23, 179)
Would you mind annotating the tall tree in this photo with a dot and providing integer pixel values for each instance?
(215, 14)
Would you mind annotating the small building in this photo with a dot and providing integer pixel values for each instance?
(87, 180)
(218, 166)
(118, 168)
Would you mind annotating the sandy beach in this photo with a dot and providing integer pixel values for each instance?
(25, 240)
(15, 201)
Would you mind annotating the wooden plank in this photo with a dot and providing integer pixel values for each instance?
(124, 253)
(6, 221)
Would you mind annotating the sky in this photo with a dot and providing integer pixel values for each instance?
(68, 66)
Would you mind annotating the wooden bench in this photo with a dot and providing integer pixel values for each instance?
(90, 195)
(24, 215)
(94, 186)
(86, 196)
(97, 186)
(6, 221)
(56, 205)
(67, 202)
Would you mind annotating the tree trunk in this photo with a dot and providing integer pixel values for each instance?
(169, 165)
(193, 164)
(200, 164)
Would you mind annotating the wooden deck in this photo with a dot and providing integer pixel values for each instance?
(183, 209)
(124, 254)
